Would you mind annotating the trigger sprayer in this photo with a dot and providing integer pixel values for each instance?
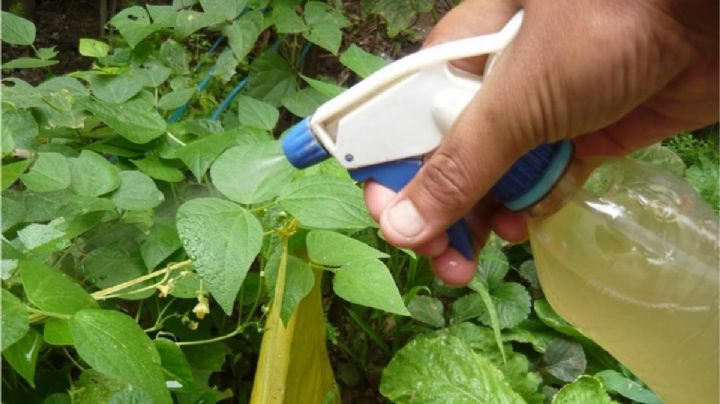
(625, 252)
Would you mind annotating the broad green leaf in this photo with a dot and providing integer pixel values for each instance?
(93, 48)
(255, 113)
(492, 266)
(14, 319)
(398, 14)
(304, 102)
(615, 382)
(334, 249)
(205, 359)
(287, 21)
(200, 154)
(243, 33)
(299, 281)
(704, 178)
(11, 172)
(134, 24)
(20, 94)
(8, 143)
(189, 21)
(130, 395)
(325, 88)
(28, 63)
(17, 30)
(466, 308)
(318, 12)
(51, 290)
(325, 35)
(564, 359)
(159, 169)
(428, 310)
(137, 192)
(21, 127)
(37, 235)
(93, 387)
(271, 78)
(113, 344)
(531, 331)
(116, 262)
(549, 317)
(222, 239)
(163, 16)
(528, 272)
(57, 332)
(227, 9)
(251, 173)
(326, 203)
(162, 241)
(586, 390)
(512, 305)
(369, 283)
(225, 66)
(136, 120)
(361, 62)
(444, 369)
(175, 99)
(175, 56)
(50, 172)
(46, 53)
(22, 355)
(178, 374)
(93, 175)
(116, 89)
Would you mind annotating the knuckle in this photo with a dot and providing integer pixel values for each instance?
(446, 181)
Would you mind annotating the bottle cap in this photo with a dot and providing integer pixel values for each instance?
(533, 175)
(300, 146)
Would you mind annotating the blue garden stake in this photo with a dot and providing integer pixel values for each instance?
(228, 100)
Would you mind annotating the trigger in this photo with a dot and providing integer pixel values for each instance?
(394, 174)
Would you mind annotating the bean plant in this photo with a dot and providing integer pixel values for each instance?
(157, 247)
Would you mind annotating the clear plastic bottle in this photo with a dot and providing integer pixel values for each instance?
(629, 254)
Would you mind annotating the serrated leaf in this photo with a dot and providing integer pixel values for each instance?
(528, 272)
(113, 344)
(50, 172)
(222, 239)
(14, 319)
(243, 33)
(565, 360)
(287, 21)
(493, 265)
(586, 390)
(175, 99)
(304, 102)
(428, 310)
(22, 355)
(178, 373)
(53, 291)
(93, 175)
(136, 120)
(251, 173)
(134, 25)
(255, 113)
(444, 369)
(137, 191)
(17, 30)
(512, 305)
(93, 48)
(116, 89)
(361, 62)
(369, 283)
(615, 382)
(334, 249)
(326, 203)
(299, 281)
(162, 241)
(28, 63)
(158, 169)
(271, 78)
(398, 14)
(549, 317)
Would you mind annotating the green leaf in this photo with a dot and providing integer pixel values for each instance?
(93, 48)
(227, 9)
(532, 332)
(243, 33)
(137, 192)
(492, 266)
(565, 360)
(704, 177)
(115, 262)
(299, 281)
(152, 73)
(57, 332)
(361, 62)
(113, 344)
(271, 78)
(17, 30)
(175, 99)
(162, 241)
(37, 235)
(14, 319)
(444, 369)
(20, 94)
(11, 172)
(50, 172)
(22, 355)
(428, 310)
(549, 317)
(158, 169)
(93, 387)
(222, 239)
(255, 113)
(93, 175)
(225, 66)
(8, 143)
(615, 382)
(136, 120)
(368, 282)
(528, 272)
(328, 89)
(116, 89)
(466, 308)
(334, 249)
(586, 390)
(512, 305)
(175, 56)
(163, 16)
(325, 35)
(188, 22)
(178, 373)
(398, 14)
(317, 12)
(51, 290)
(251, 173)
(28, 63)
(46, 53)
(304, 102)
(287, 21)
(130, 395)
(134, 24)
(198, 155)
(326, 203)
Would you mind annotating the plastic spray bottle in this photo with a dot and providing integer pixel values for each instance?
(627, 253)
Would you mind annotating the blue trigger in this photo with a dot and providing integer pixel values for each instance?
(395, 175)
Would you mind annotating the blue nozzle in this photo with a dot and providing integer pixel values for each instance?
(300, 146)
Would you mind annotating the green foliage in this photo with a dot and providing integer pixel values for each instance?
(398, 14)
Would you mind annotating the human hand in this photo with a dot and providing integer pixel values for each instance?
(615, 76)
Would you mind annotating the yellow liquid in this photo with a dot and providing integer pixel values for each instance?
(645, 290)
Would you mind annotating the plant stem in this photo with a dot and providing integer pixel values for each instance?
(237, 331)
(104, 293)
(41, 313)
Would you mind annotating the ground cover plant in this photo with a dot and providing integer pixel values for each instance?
(157, 247)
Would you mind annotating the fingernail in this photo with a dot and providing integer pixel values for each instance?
(405, 219)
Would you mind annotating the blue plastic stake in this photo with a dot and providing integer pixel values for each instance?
(228, 100)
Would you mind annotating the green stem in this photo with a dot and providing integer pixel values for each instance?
(43, 313)
(237, 331)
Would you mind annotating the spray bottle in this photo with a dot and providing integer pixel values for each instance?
(625, 252)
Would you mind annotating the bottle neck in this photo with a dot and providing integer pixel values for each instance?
(575, 176)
